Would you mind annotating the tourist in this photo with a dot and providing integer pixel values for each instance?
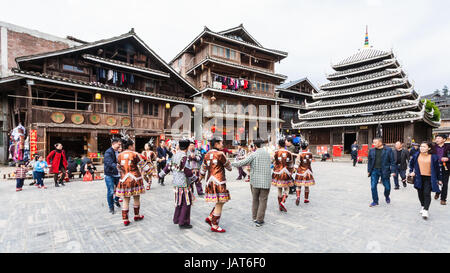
(183, 177)
(215, 163)
(401, 159)
(282, 173)
(303, 172)
(72, 167)
(261, 177)
(354, 152)
(414, 149)
(21, 174)
(30, 165)
(194, 162)
(289, 143)
(380, 164)
(442, 150)
(39, 171)
(426, 173)
(87, 166)
(58, 164)
(130, 183)
(162, 153)
(251, 149)
(148, 166)
(241, 155)
(112, 175)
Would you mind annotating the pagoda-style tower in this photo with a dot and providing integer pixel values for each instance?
(366, 89)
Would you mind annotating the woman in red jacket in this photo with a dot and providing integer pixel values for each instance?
(58, 164)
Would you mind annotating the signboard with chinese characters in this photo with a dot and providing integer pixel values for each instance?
(94, 119)
(33, 142)
(114, 132)
(77, 118)
(126, 122)
(111, 121)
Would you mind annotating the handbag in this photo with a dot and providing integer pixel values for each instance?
(87, 177)
(410, 179)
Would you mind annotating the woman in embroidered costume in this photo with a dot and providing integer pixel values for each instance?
(183, 177)
(194, 161)
(131, 182)
(303, 172)
(215, 163)
(282, 173)
(147, 166)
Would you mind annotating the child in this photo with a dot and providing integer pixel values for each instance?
(21, 174)
(303, 175)
(30, 165)
(39, 171)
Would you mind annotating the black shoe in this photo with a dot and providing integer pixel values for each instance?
(32, 183)
(258, 224)
(62, 184)
(112, 211)
(396, 188)
(162, 184)
(117, 203)
(185, 226)
(404, 184)
(56, 184)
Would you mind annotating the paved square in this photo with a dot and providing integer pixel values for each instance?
(75, 218)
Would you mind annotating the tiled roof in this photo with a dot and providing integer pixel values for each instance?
(220, 61)
(288, 85)
(241, 94)
(362, 88)
(363, 55)
(363, 78)
(126, 65)
(240, 28)
(97, 86)
(362, 69)
(384, 95)
(361, 120)
(358, 110)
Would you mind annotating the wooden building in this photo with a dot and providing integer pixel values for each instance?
(83, 95)
(366, 89)
(298, 93)
(232, 70)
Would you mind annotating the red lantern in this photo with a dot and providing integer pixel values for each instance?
(213, 129)
(241, 130)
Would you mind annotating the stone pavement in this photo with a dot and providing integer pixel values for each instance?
(75, 218)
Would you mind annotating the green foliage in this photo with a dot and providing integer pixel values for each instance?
(429, 106)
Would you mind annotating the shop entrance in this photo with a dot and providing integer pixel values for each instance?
(349, 138)
(74, 144)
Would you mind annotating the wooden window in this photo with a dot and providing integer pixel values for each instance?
(227, 53)
(150, 109)
(214, 50)
(122, 106)
(150, 85)
(220, 50)
(72, 68)
(233, 55)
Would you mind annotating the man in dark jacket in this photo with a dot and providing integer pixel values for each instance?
(112, 175)
(72, 167)
(381, 164)
(401, 159)
(162, 152)
(442, 150)
(354, 152)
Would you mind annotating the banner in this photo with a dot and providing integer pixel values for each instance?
(33, 142)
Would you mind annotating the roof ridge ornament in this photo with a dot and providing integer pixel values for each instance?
(366, 39)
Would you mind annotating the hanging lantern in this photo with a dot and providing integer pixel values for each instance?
(255, 128)
(167, 105)
(98, 96)
(213, 98)
(194, 109)
(213, 129)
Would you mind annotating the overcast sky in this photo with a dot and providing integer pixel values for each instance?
(314, 33)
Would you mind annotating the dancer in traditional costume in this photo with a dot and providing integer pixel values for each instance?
(131, 182)
(183, 177)
(303, 172)
(147, 165)
(215, 163)
(194, 162)
(282, 173)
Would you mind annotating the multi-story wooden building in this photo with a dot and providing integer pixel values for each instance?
(231, 68)
(366, 89)
(81, 96)
(298, 93)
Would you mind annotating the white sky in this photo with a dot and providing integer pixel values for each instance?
(314, 33)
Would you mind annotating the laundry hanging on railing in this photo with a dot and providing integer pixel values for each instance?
(114, 77)
(230, 83)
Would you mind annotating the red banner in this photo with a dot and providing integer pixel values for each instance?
(114, 132)
(322, 150)
(33, 142)
(364, 152)
(337, 150)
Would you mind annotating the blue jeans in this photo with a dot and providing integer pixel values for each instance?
(374, 177)
(39, 178)
(402, 174)
(19, 182)
(111, 182)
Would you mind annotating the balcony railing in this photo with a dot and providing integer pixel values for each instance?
(244, 86)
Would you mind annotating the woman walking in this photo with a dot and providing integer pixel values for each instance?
(131, 182)
(426, 175)
(147, 166)
(58, 164)
(282, 173)
(303, 175)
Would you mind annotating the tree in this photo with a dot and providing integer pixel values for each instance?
(429, 106)
(445, 90)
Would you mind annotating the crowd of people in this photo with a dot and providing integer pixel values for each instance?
(428, 170)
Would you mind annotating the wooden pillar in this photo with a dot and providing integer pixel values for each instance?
(92, 143)
(29, 107)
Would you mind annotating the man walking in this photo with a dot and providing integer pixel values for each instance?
(161, 160)
(354, 153)
(241, 155)
(442, 150)
(381, 164)
(260, 180)
(401, 159)
(112, 175)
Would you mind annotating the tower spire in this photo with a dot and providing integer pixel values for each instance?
(366, 39)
